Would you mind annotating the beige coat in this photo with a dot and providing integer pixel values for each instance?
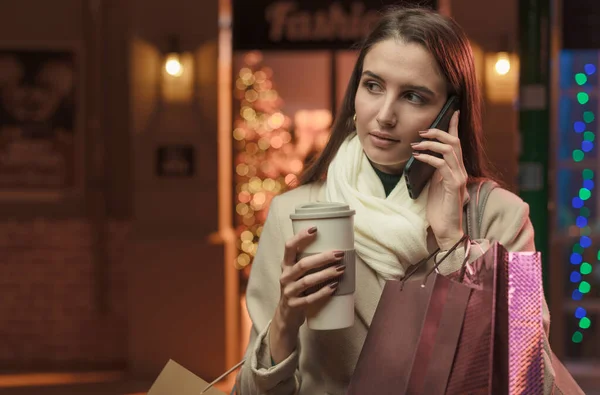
(324, 360)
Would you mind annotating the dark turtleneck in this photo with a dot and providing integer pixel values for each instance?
(389, 181)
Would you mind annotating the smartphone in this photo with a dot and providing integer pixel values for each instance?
(417, 174)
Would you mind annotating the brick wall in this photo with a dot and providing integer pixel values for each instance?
(49, 315)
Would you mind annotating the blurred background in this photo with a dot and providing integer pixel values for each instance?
(142, 141)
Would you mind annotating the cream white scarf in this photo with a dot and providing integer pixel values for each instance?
(390, 232)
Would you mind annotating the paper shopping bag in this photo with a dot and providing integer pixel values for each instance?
(479, 331)
(405, 336)
(174, 379)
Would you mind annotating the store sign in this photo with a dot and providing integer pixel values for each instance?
(306, 24)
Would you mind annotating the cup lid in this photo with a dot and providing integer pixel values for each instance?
(320, 210)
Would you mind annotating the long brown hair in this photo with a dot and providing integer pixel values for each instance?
(448, 44)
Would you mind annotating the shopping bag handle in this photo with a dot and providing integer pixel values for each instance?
(413, 269)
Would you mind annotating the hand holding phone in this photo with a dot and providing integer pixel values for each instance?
(416, 173)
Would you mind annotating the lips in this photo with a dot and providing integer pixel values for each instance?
(384, 136)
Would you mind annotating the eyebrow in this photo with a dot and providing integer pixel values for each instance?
(419, 88)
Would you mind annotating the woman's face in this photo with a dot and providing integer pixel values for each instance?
(401, 92)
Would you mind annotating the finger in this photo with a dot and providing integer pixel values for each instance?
(445, 150)
(441, 136)
(453, 131)
(313, 262)
(446, 172)
(297, 287)
(320, 295)
(453, 128)
(438, 163)
(297, 243)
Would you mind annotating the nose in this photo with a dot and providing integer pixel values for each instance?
(387, 116)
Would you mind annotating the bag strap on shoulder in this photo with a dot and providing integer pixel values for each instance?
(479, 193)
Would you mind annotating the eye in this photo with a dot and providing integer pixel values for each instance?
(372, 86)
(414, 98)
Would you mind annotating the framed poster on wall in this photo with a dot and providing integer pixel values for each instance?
(40, 119)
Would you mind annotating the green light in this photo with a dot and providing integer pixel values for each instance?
(598, 255)
(585, 268)
(588, 117)
(579, 249)
(583, 98)
(584, 212)
(580, 78)
(577, 337)
(584, 287)
(578, 155)
(584, 194)
(588, 174)
(585, 323)
(589, 136)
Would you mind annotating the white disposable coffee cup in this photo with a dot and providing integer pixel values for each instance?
(335, 232)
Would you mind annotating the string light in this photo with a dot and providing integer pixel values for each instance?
(260, 135)
(268, 158)
(581, 269)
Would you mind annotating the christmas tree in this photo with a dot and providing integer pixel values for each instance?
(270, 150)
(262, 152)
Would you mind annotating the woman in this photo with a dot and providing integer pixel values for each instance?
(411, 63)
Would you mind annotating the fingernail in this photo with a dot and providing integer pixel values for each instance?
(423, 131)
(413, 144)
(416, 153)
(339, 254)
(340, 268)
(312, 230)
(334, 285)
